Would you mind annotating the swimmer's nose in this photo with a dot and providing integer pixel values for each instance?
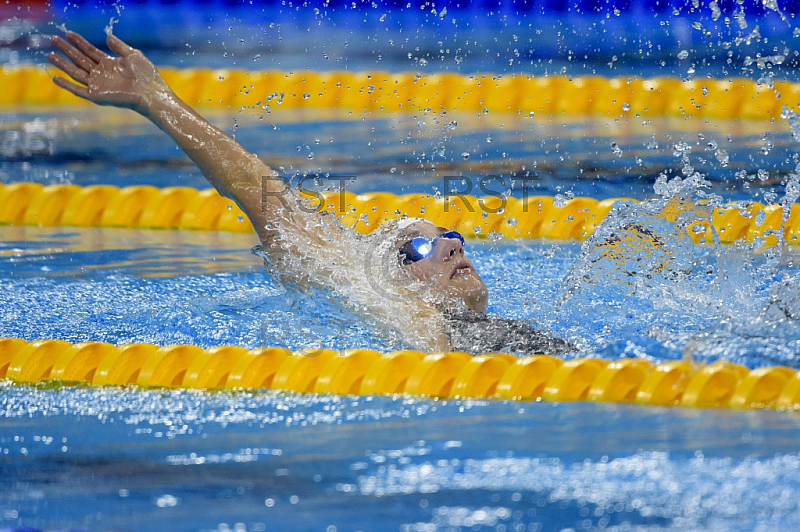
(453, 248)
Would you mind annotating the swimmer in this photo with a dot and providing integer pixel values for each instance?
(424, 268)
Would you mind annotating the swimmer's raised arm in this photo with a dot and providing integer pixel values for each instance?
(131, 81)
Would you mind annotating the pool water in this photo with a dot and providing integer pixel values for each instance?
(113, 458)
(599, 157)
(127, 459)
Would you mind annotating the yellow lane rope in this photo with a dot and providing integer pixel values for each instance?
(378, 91)
(368, 372)
(149, 207)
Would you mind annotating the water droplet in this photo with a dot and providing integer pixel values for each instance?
(683, 54)
(465, 155)
(722, 157)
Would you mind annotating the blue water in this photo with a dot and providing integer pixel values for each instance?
(576, 37)
(88, 458)
(129, 459)
(114, 459)
(597, 157)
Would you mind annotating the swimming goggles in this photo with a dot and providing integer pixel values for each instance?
(420, 247)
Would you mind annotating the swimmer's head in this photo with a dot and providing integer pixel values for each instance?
(436, 257)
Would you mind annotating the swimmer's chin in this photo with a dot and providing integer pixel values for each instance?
(475, 298)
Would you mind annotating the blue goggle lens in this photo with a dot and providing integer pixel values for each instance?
(420, 247)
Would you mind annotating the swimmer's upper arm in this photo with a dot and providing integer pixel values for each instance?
(267, 200)
(235, 172)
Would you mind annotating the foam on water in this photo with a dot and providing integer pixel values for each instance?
(642, 281)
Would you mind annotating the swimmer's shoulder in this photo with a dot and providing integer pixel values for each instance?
(477, 333)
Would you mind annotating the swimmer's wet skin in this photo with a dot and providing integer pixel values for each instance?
(432, 255)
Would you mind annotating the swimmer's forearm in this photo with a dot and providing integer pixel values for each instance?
(236, 173)
(224, 162)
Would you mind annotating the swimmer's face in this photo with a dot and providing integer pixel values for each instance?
(447, 268)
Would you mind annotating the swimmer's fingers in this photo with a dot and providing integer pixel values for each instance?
(91, 51)
(76, 73)
(118, 46)
(77, 90)
(74, 55)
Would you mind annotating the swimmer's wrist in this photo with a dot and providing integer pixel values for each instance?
(155, 97)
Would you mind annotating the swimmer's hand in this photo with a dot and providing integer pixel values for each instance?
(130, 81)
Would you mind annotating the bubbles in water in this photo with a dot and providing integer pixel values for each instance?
(167, 501)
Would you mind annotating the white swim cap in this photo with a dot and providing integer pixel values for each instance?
(402, 224)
